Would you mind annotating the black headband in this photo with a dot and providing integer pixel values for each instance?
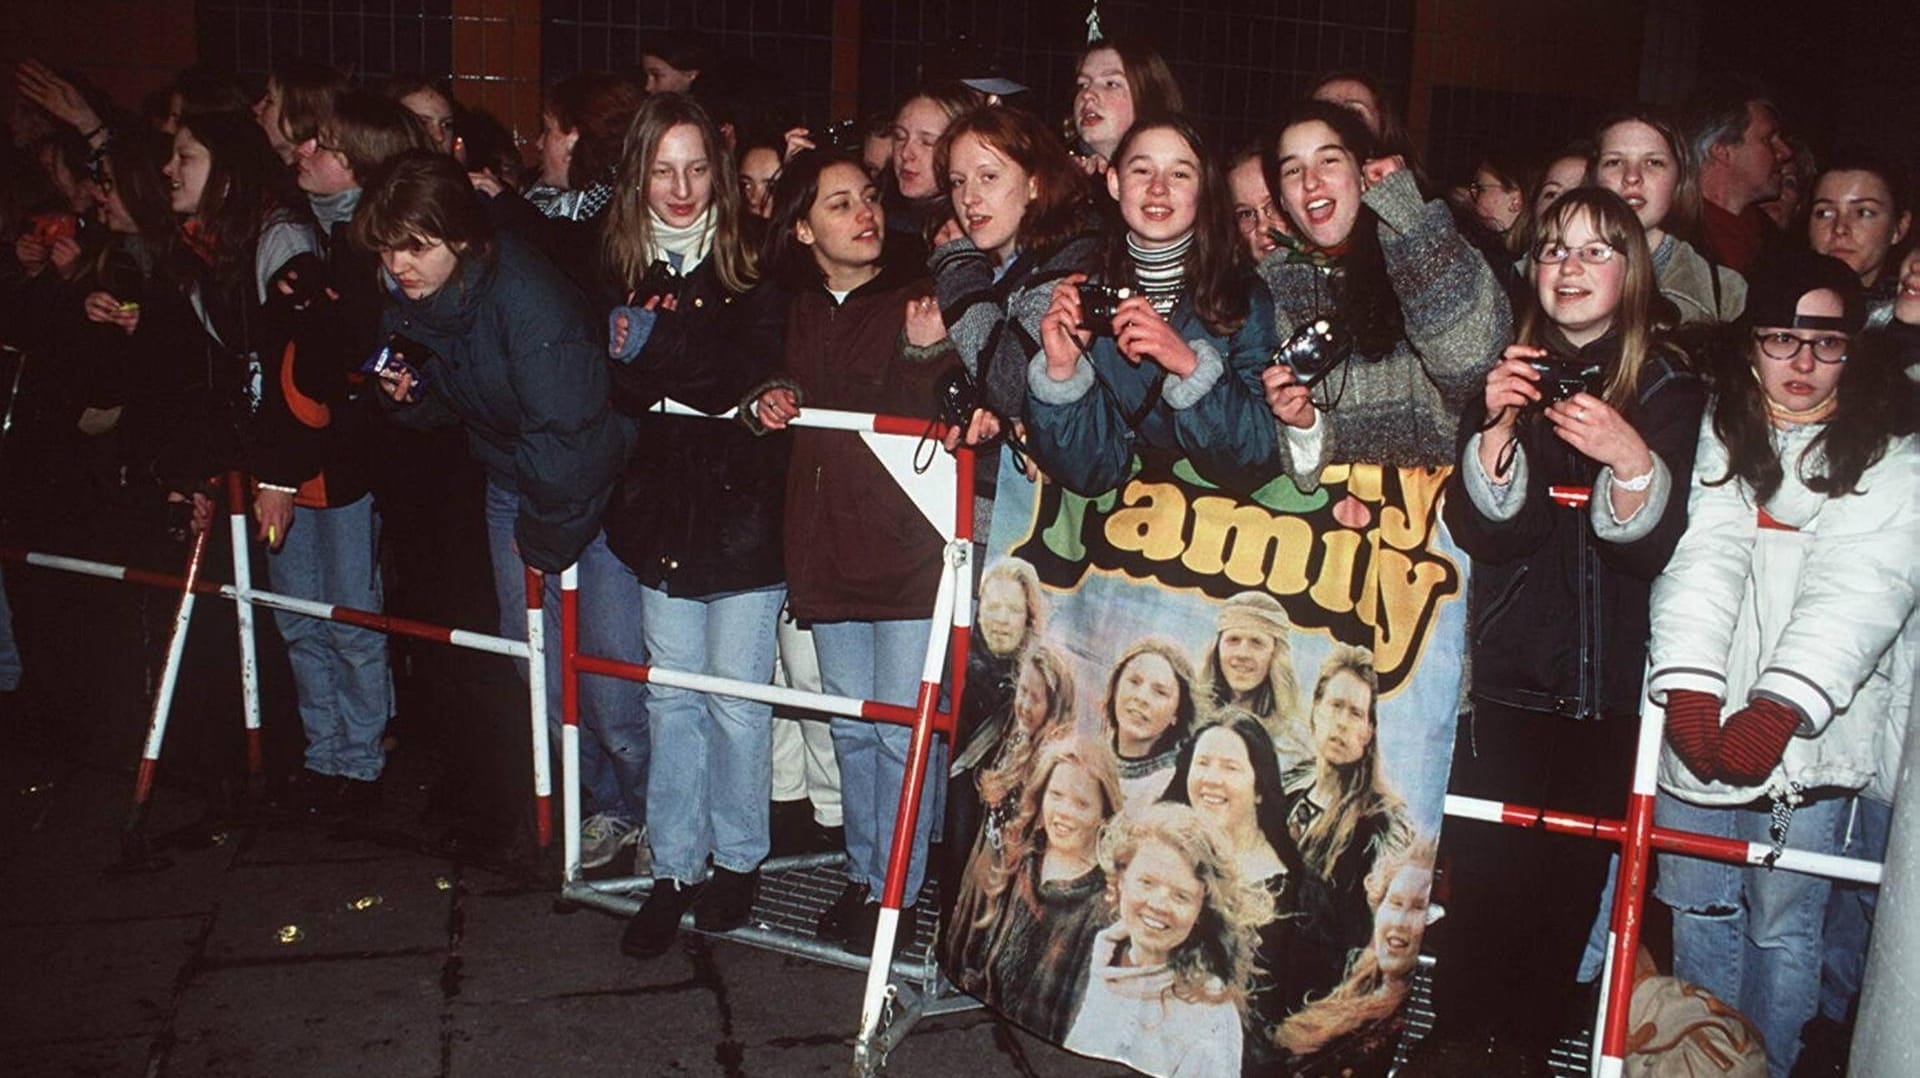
(1820, 321)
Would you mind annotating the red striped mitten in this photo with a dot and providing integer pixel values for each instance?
(1693, 729)
(1754, 739)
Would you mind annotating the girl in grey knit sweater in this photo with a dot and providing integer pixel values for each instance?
(1424, 313)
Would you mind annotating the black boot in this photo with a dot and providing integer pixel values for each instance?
(727, 903)
(832, 924)
(864, 925)
(650, 932)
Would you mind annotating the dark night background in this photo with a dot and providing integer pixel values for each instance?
(1470, 74)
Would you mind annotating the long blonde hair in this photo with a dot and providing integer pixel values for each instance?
(627, 248)
(1367, 994)
(1614, 221)
(1215, 963)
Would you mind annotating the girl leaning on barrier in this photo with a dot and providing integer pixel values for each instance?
(862, 562)
(1567, 496)
(697, 514)
(1389, 273)
(1166, 351)
(1784, 640)
(485, 334)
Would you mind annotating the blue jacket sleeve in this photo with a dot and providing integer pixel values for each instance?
(1226, 429)
(1076, 429)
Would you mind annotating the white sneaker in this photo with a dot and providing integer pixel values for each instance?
(602, 837)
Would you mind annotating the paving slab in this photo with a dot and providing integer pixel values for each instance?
(311, 1019)
(649, 1030)
(89, 1058)
(386, 906)
(51, 980)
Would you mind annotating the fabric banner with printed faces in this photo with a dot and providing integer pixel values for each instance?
(1202, 761)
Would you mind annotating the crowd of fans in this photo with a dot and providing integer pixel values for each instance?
(1669, 367)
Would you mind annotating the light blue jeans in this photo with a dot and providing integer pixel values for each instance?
(9, 653)
(1850, 912)
(613, 711)
(340, 673)
(712, 768)
(1752, 935)
(877, 660)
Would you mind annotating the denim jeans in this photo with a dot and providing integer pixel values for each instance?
(340, 673)
(712, 762)
(9, 653)
(1748, 934)
(613, 712)
(877, 660)
(1850, 911)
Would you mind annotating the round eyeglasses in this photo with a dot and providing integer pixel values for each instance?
(1785, 347)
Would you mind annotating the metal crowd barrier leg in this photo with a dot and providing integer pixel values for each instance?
(570, 722)
(537, 701)
(135, 855)
(1629, 906)
(243, 609)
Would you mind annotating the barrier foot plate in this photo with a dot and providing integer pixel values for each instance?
(137, 857)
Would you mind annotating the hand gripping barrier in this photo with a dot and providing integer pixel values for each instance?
(245, 597)
(943, 491)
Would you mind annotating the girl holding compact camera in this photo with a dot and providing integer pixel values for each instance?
(1568, 495)
(1167, 353)
(698, 512)
(1402, 292)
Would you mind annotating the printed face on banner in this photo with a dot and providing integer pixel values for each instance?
(1286, 663)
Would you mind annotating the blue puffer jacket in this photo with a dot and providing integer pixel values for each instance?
(518, 360)
(1084, 431)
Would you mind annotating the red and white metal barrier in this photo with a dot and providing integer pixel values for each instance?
(1638, 837)
(943, 492)
(245, 598)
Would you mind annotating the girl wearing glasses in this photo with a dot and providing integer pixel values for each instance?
(1566, 496)
(1783, 638)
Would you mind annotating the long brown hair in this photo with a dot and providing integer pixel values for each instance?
(1186, 710)
(1027, 835)
(1363, 792)
(1366, 994)
(1616, 223)
(1150, 82)
(1216, 264)
(1018, 746)
(627, 247)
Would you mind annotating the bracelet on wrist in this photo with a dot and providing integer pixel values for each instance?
(88, 136)
(1638, 483)
(278, 489)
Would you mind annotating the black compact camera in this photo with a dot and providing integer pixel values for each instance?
(1559, 381)
(400, 355)
(1313, 350)
(841, 135)
(1097, 303)
(955, 397)
(660, 281)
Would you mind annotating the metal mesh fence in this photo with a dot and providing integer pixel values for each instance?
(374, 38)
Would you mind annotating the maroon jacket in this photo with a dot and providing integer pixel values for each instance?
(856, 547)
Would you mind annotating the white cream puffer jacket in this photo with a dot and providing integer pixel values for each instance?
(1811, 605)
